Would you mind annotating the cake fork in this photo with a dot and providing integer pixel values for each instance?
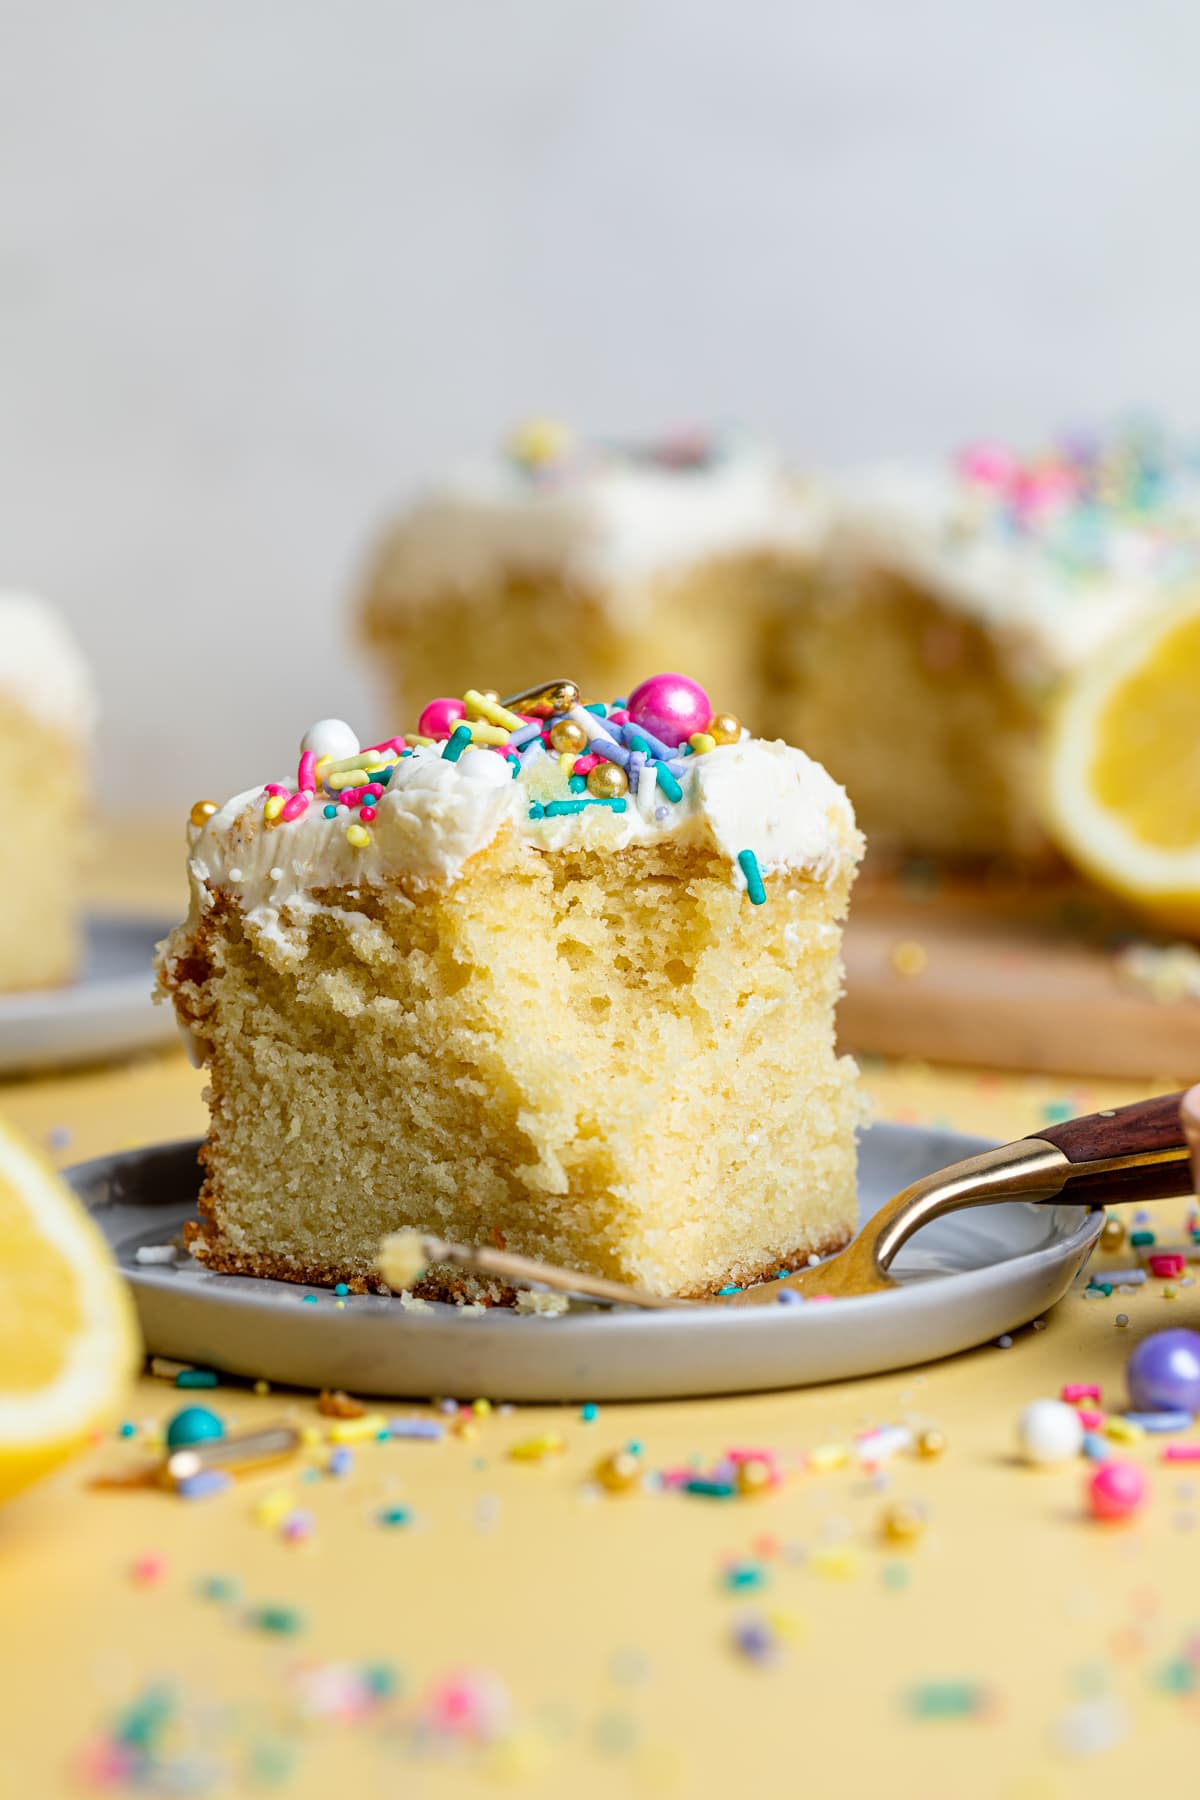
(1125, 1154)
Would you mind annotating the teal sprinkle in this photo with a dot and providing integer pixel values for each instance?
(1101, 1287)
(128, 1428)
(744, 1577)
(748, 863)
(394, 1515)
(896, 1576)
(598, 707)
(589, 1412)
(196, 1378)
(637, 742)
(634, 1446)
(710, 1490)
(341, 1290)
(330, 812)
(459, 741)
(384, 775)
(309, 1299)
(537, 810)
(733, 1288)
(221, 1588)
(578, 784)
(620, 705)
(381, 1680)
(1176, 1677)
(556, 808)
(1141, 1240)
(1055, 1111)
(667, 782)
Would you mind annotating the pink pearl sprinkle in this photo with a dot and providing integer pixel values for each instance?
(1090, 1419)
(671, 707)
(440, 717)
(366, 814)
(1116, 1490)
(295, 806)
(149, 1568)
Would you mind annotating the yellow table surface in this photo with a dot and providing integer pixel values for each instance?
(608, 1621)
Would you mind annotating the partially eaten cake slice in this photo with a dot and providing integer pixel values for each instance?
(559, 978)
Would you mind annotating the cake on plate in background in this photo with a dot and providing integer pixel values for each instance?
(602, 558)
(953, 604)
(47, 710)
(560, 979)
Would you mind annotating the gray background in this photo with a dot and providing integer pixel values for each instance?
(265, 263)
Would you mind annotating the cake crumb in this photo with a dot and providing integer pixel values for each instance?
(546, 1306)
(401, 1260)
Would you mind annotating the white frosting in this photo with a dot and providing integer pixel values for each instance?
(609, 521)
(1049, 612)
(42, 667)
(436, 814)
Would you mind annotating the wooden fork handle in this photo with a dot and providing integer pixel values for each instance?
(1135, 1152)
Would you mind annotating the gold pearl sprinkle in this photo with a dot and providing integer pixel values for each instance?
(931, 1443)
(753, 1477)
(202, 812)
(902, 1524)
(608, 781)
(909, 957)
(568, 737)
(620, 1472)
(1112, 1236)
(724, 728)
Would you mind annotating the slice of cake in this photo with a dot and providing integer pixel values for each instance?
(604, 559)
(46, 715)
(957, 600)
(556, 978)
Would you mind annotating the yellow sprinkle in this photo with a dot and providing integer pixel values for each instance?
(354, 1431)
(327, 766)
(837, 1562)
(273, 1508)
(701, 742)
(1123, 1431)
(567, 761)
(336, 780)
(483, 733)
(909, 957)
(481, 1408)
(492, 711)
(787, 1625)
(262, 1387)
(273, 807)
(540, 441)
(534, 1449)
(414, 737)
(829, 1456)
(310, 1437)
(464, 1429)
(358, 835)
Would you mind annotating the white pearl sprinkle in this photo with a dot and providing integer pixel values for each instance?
(276, 874)
(235, 875)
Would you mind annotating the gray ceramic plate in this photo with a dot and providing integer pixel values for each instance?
(105, 1014)
(964, 1280)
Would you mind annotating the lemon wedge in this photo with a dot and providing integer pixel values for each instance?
(1123, 788)
(68, 1340)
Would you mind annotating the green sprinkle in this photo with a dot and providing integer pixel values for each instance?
(196, 1378)
(945, 1700)
(1176, 1677)
(394, 1515)
(667, 782)
(1141, 1240)
(280, 1621)
(1056, 1111)
(710, 1490)
(748, 863)
(459, 740)
(221, 1588)
(896, 1575)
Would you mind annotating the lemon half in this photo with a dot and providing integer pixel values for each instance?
(68, 1341)
(1123, 775)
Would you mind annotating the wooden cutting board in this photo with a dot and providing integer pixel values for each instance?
(1008, 973)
